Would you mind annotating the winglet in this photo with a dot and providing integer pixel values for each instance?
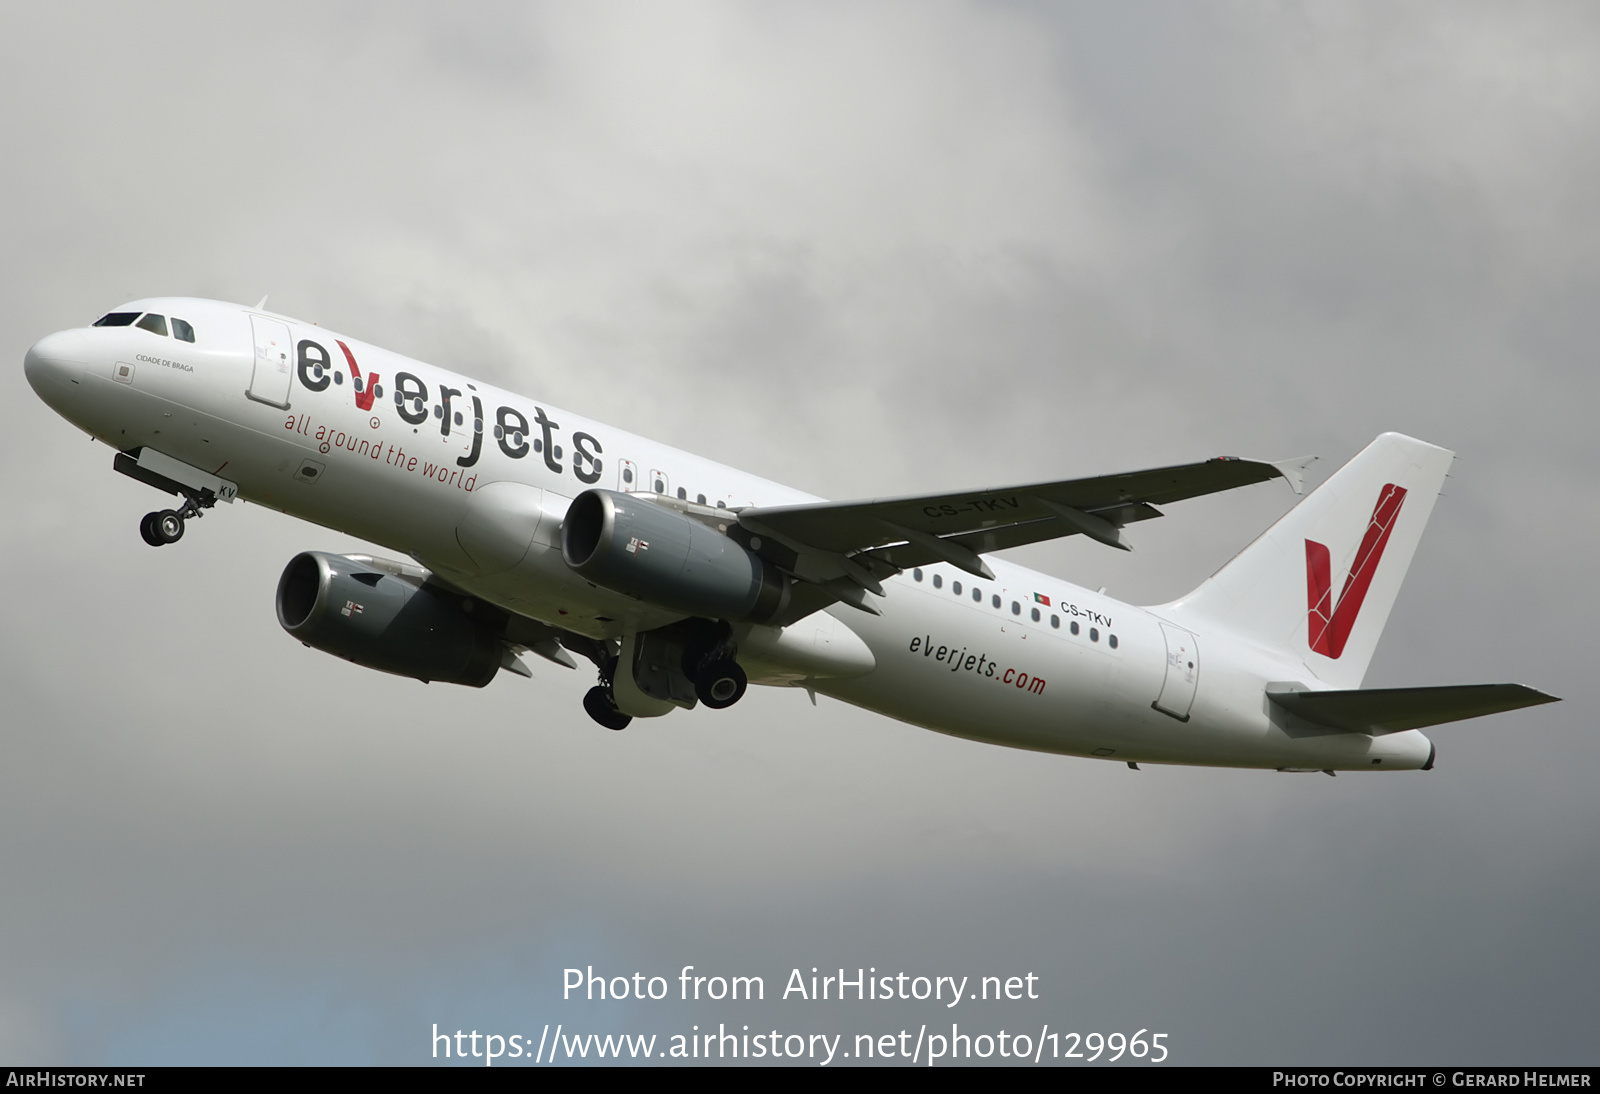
(1295, 471)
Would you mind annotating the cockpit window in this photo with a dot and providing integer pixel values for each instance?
(182, 331)
(117, 319)
(155, 324)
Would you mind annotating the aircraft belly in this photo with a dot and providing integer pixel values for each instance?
(541, 586)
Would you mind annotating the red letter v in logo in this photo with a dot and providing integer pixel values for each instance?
(1330, 623)
(363, 392)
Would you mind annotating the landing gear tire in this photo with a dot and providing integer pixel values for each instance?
(148, 530)
(720, 684)
(603, 709)
(167, 525)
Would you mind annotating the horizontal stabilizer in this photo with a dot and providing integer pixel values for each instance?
(1392, 710)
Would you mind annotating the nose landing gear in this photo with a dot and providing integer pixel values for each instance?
(166, 525)
(160, 529)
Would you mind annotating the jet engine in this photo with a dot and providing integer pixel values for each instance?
(380, 616)
(634, 546)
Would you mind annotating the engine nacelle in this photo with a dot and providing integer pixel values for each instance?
(634, 546)
(385, 621)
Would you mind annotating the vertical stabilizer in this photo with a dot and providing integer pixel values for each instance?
(1321, 581)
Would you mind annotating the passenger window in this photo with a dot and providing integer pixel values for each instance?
(627, 474)
(117, 319)
(1113, 641)
(916, 575)
(1016, 609)
(1055, 621)
(937, 581)
(181, 330)
(699, 499)
(977, 595)
(722, 505)
(1074, 627)
(683, 495)
(155, 324)
(1036, 615)
(996, 600)
(1094, 634)
(955, 587)
(661, 487)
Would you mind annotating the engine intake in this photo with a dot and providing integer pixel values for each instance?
(387, 622)
(634, 546)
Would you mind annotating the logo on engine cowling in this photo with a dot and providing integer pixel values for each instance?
(350, 608)
(635, 545)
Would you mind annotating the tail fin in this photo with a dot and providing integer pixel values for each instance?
(1322, 580)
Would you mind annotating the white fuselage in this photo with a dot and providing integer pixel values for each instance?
(1053, 667)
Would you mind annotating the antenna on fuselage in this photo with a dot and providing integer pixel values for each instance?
(263, 305)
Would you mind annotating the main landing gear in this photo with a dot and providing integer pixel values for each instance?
(720, 683)
(689, 662)
(718, 680)
(166, 526)
(601, 703)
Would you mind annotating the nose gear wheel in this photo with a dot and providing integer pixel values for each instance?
(166, 525)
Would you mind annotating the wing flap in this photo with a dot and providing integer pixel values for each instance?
(1392, 710)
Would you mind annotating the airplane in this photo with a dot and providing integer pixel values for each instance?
(525, 528)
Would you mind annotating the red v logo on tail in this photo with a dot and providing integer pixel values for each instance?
(1330, 623)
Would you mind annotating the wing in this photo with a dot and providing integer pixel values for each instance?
(846, 548)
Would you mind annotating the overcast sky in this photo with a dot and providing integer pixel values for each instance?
(861, 249)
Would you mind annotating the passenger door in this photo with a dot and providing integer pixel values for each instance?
(269, 383)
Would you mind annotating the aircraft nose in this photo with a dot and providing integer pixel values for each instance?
(56, 360)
